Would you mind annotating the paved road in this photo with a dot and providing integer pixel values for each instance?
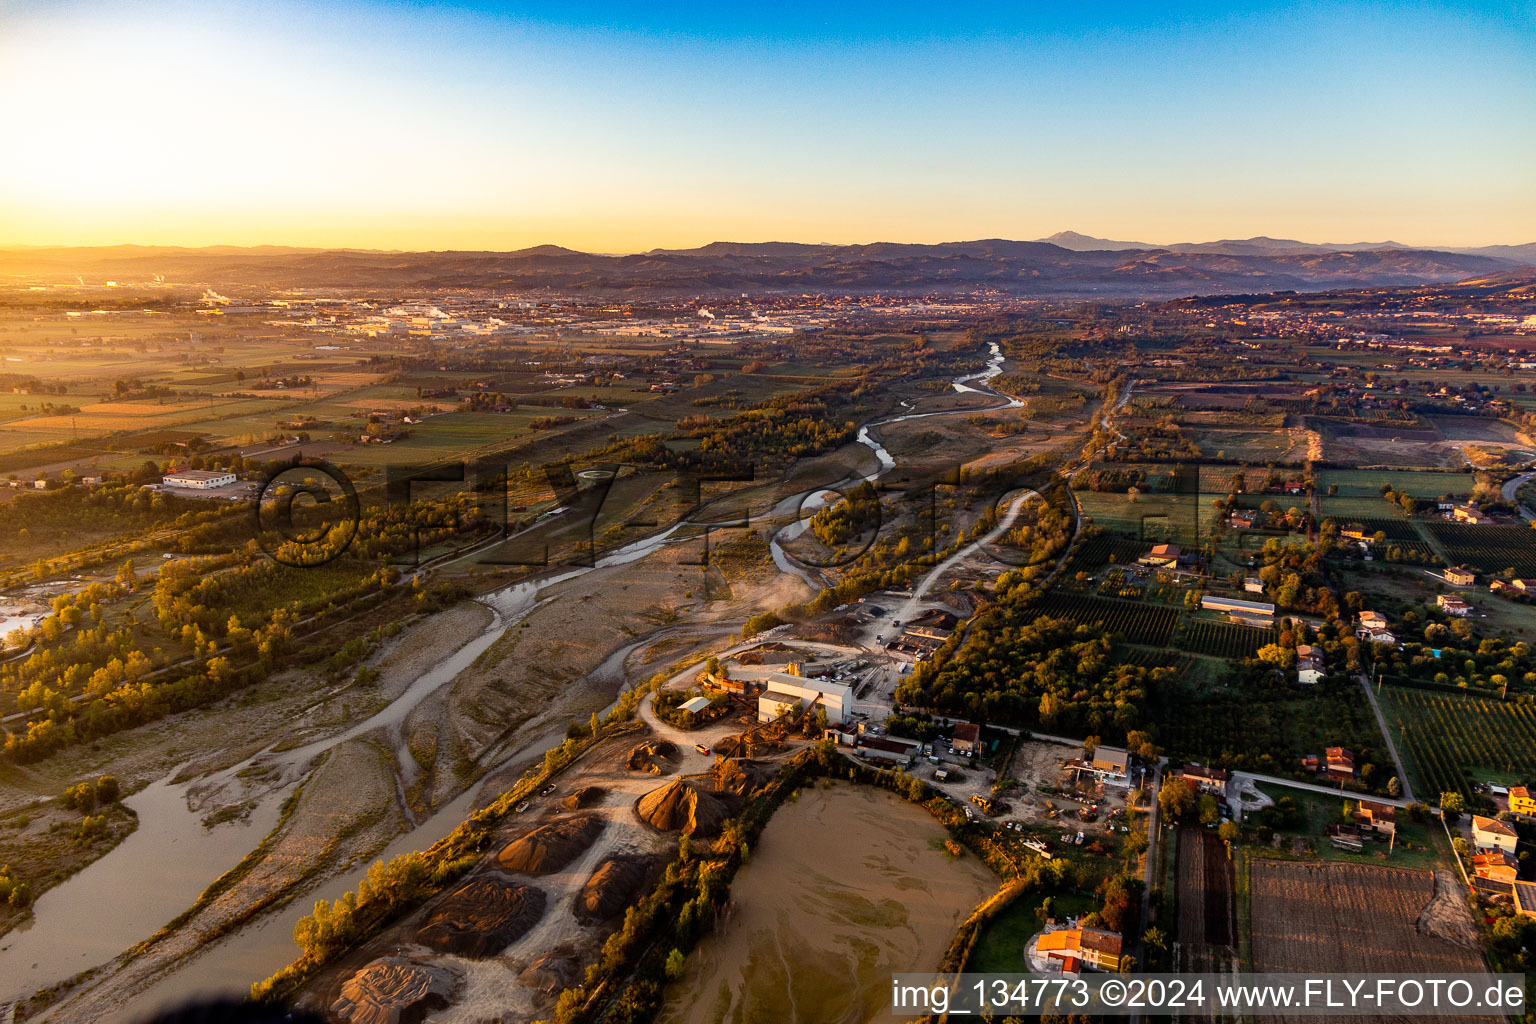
(1508, 492)
(1386, 734)
(1312, 787)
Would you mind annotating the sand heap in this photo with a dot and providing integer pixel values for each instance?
(551, 847)
(655, 756)
(610, 889)
(394, 990)
(482, 917)
(586, 796)
(551, 972)
(678, 807)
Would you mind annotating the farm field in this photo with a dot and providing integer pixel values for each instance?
(1422, 484)
(1224, 639)
(1137, 623)
(1357, 918)
(1338, 508)
(1280, 444)
(1207, 910)
(1452, 741)
(1489, 549)
(1155, 518)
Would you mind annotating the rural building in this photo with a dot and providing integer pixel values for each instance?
(1207, 780)
(967, 738)
(695, 707)
(1162, 554)
(1109, 765)
(1253, 585)
(198, 479)
(1243, 519)
(1489, 834)
(1520, 801)
(1525, 898)
(1372, 620)
(1309, 664)
(1470, 515)
(1339, 763)
(1094, 947)
(1460, 577)
(1495, 864)
(1379, 816)
(1453, 605)
(725, 684)
(1261, 612)
(882, 748)
(788, 691)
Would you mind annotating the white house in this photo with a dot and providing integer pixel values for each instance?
(1491, 834)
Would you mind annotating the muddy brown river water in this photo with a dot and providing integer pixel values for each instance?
(846, 885)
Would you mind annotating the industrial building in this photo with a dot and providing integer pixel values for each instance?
(791, 691)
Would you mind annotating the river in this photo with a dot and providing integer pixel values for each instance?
(169, 860)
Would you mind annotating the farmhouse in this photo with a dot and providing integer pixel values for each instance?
(198, 479)
(1520, 801)
(1162, 554)
(1453, 605)
(1207, 780)
(1339, 763)
(1253, 585)
(1459, 577)
(1489, 834)
(967, 738)
(792, 692)
(1095, 947)
(1379, 816)
(1470, 515)
(1309, 664)
(1372, 620)
(1260, 612)
(1243, 519)
(1495, 864)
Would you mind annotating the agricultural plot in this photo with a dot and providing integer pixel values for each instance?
(1395, 529)
(1102, 549)
(1136, 623)
(1224, 639)
(1359, 918)
(1152, 518)
(1489, 549)
(1453, 741)
(1422, 484)
(1207, 910)
(1178, 664)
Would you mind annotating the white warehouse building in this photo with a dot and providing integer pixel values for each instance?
(201, 479)
(785, 690)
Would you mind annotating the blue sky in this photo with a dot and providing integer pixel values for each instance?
(620, 127)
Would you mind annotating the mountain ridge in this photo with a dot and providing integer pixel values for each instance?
(1025, 268)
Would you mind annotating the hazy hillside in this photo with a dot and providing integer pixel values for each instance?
(1026, 268)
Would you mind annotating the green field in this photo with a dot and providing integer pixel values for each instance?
(1422, 484)
(1416, 844)
(1452, 741)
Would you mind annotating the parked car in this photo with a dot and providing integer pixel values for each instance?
(701, 748)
